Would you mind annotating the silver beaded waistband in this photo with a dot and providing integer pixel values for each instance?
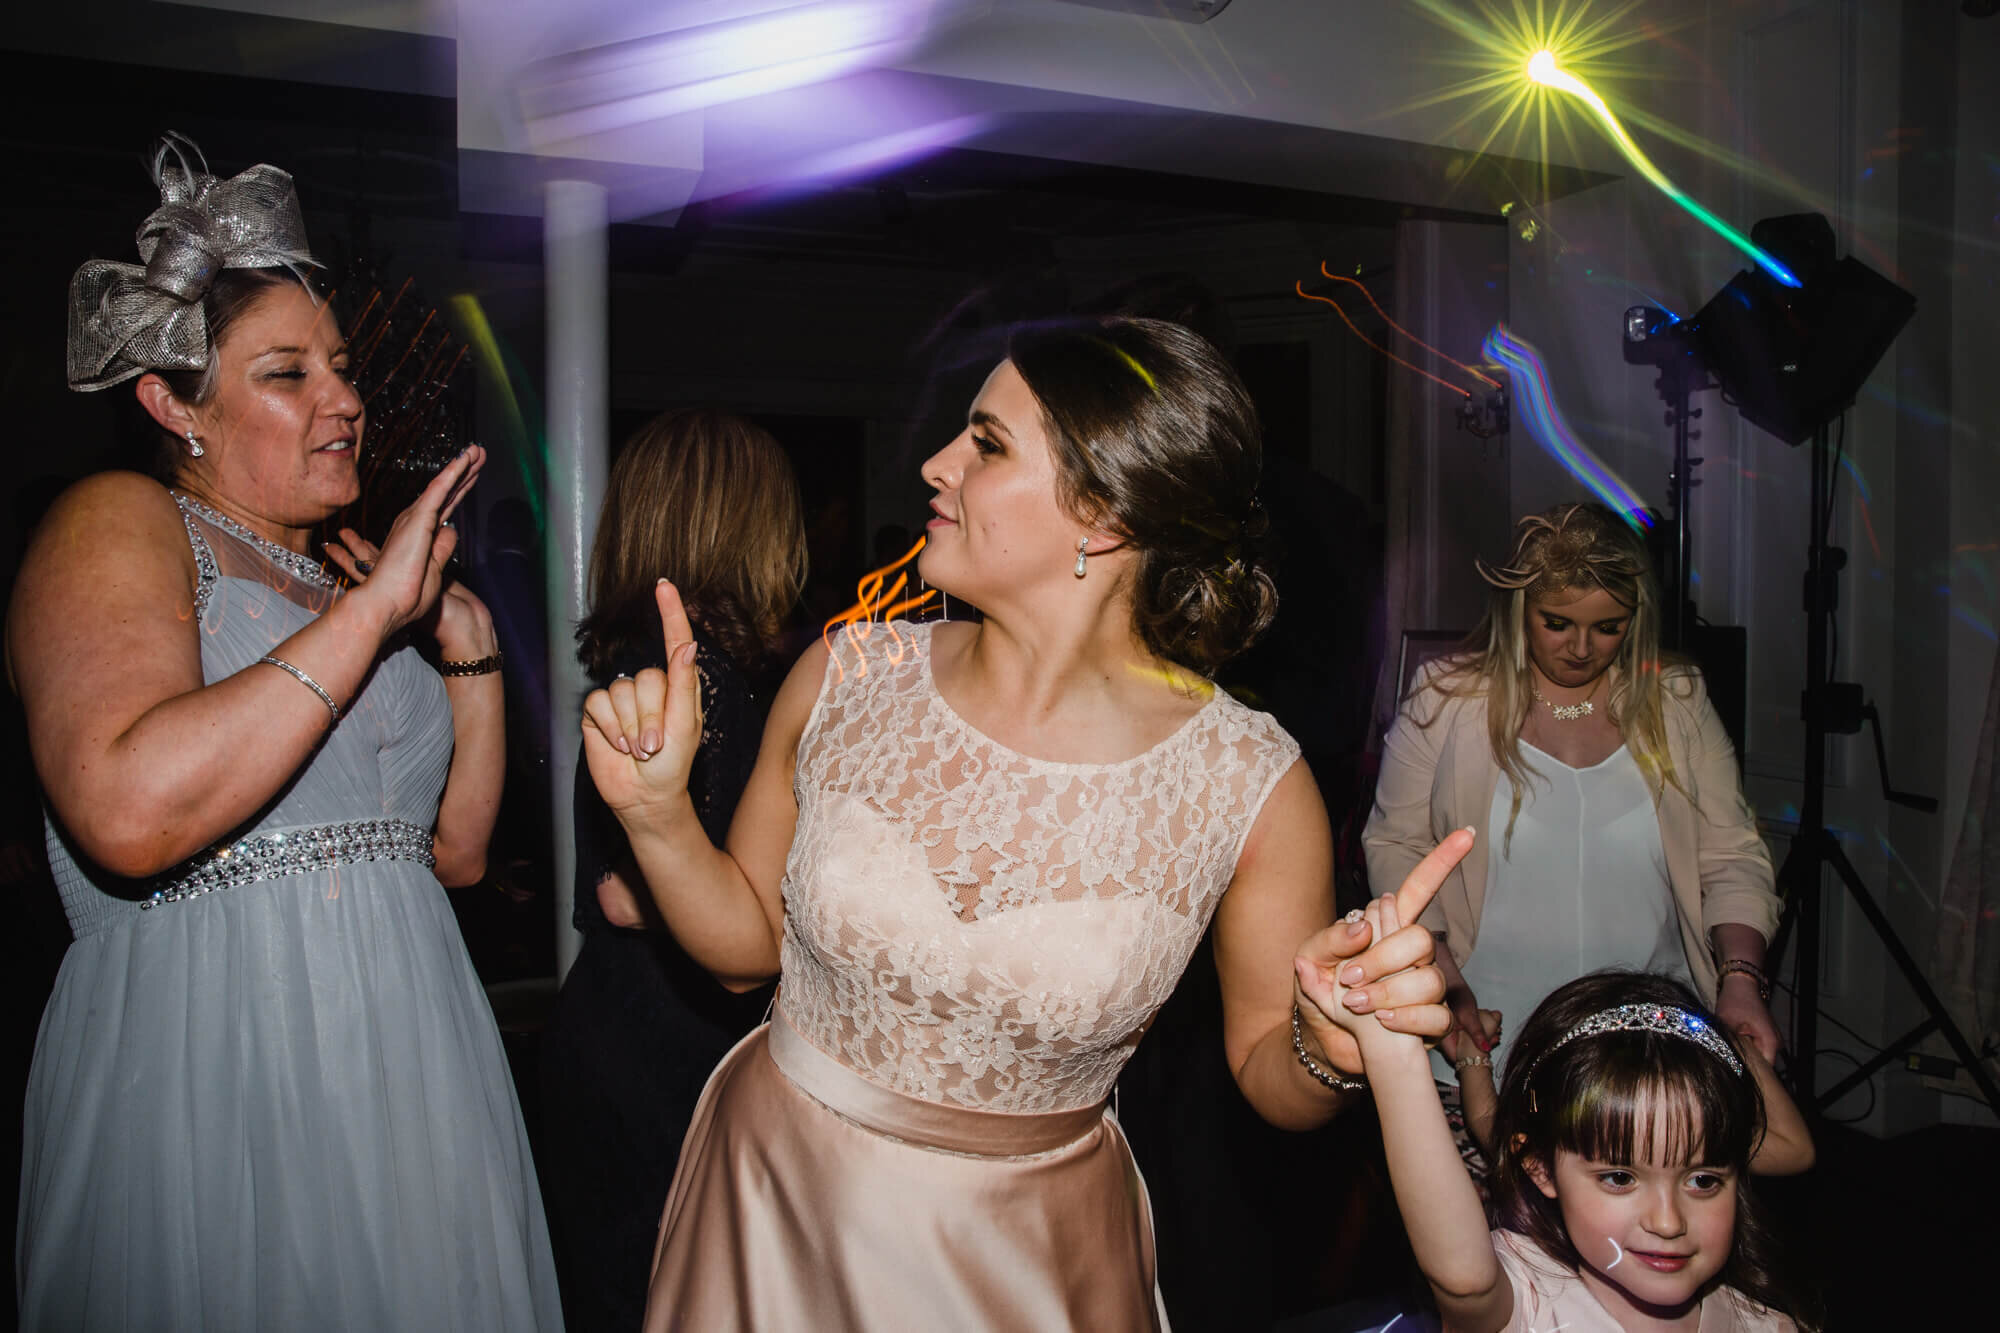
(296, 851)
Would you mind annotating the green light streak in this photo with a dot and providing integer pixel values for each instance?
(1542, 69)
(528, 450)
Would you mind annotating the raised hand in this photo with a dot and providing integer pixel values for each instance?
(1380, 966)
(458, 620)
(408, 573)
(641, 732)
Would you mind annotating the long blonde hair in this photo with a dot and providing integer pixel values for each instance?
(1579, 548)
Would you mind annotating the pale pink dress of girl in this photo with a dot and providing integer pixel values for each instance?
(974, 942)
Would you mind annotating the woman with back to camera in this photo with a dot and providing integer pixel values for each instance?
(979, 857)
(1616, 830)
(268, 1090)
(709, 500)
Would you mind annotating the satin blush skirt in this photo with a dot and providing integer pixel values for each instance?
(810, 1198)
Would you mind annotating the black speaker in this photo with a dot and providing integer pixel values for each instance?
(1723, 654)
(1792, 358)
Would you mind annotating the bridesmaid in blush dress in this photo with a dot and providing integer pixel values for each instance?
(979, 856)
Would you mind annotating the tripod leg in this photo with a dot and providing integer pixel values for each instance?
(1908, 967)
(1794, 882)
(1863, 1072)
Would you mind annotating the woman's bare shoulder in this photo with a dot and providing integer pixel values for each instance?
(111, 509)
(113, 543)
(793, 705)
(109, 520)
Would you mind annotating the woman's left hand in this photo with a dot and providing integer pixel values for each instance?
(1743, 1011)
(459, 621)
(1345, 971)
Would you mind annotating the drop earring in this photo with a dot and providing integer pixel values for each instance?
(194, 445)
(1081, 542)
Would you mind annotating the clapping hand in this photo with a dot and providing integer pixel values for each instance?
(1376, 974)
(457, 620)
(406, 575)
(641, 732)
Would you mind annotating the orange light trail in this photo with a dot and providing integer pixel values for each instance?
(872, 603)
(1300, 288)
(1479, 375)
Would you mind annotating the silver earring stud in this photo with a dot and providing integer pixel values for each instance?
(1081, 542)
(194, 444)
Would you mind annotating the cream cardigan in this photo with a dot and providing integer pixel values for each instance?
(1438, 774)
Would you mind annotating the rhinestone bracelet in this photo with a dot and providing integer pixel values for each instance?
(1332, 1078)
(304, 680)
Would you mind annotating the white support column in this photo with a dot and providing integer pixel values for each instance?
(575, 234)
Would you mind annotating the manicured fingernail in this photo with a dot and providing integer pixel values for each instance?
(1472, 829)
(1357, 927)
(1352, 976)
(1356, 1000)
(1384, 1015)
(649, 741)
(623, 748)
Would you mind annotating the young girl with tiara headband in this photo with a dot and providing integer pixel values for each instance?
(1624, 1134)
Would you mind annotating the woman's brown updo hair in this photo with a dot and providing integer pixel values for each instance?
(1156, 440)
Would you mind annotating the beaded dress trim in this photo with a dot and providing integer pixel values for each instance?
(301, 567)
(299, 851)
(206, 570)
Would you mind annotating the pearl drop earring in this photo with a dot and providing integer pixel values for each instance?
(194, 444)
(1081, 542)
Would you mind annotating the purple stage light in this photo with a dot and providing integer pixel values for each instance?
(633, 82)
(1536, 407)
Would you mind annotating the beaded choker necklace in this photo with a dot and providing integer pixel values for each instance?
(301, 567)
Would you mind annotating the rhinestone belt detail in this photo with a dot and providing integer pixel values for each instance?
(293, 852)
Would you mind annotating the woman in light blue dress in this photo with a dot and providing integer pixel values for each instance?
(268, 1091)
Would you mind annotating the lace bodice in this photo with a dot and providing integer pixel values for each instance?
(972, 926)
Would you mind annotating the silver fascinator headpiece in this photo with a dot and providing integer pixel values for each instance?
(126, 319)
(1663, 1020)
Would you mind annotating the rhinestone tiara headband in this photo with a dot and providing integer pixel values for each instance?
(1663, 1020)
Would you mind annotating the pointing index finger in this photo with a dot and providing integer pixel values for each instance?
(1423, 882)
(673, 615)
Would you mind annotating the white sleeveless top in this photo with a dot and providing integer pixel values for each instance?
(1582, 885)
(976, 927)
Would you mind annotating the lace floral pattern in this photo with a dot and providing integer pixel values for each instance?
(972, 926)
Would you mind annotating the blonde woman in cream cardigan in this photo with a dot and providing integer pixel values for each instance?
(1613, 827)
